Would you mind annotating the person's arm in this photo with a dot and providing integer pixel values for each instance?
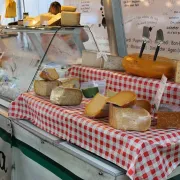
(84, 36)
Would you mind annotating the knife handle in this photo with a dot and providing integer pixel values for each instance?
(142, 49)
(156, 52)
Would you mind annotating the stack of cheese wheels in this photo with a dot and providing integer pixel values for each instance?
(125, 112)
(146, 67)
(50, 81)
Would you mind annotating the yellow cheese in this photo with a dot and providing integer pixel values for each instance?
(70, 82)
(123, 99)
(110, 93)
(143, 104)
(10, 9)
(68, 8)
(44, 88)
(177, 77)
(55, 20)
(44, 18)
(129, 119)
(70, 18)
(97, 107)
(146, 67)
(66, 96)
(49, 74)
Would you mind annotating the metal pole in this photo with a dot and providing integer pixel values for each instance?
(115, 27)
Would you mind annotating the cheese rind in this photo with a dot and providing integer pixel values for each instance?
(70, 82)
(110, 93)
(129, 119)
(97, 107)
(146, 67)
(143, 104)
(68, 8)
(55, 20)
(49, 74)
(44, 88)
(70, 18)
(66, 96)
(123, 99)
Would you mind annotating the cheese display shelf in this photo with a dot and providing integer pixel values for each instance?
(27, 50)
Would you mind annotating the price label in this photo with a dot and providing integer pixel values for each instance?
(160, 91)
(177, 79)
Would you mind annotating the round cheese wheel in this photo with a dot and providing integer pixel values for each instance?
(146, 67)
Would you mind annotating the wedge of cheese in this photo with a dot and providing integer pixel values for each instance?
(123, 99)
(72, 82)
(143, 104)
(97, 107)
(129, 119)
(66, 96)
(70, 18)
(110, 93)
(44, 18)
(44, 88)
(55, 20)
(49, 74)
(68, 8)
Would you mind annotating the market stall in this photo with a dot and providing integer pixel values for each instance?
(79, 113)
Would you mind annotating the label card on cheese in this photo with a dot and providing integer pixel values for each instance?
(160, 91)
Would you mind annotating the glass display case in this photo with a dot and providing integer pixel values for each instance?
(24, 52)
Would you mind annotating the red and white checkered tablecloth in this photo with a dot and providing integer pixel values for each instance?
(117, 81)
(150, 155)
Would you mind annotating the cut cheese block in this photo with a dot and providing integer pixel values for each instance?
(123, 99)
(129, 119)
(143, 104)
(110, 93)
(44, 88)
(177, 77)
(146, 67)
(68, 8)
(10, 11)
(55, 20)
(97, 107)
(44, 18)
(49, 74)
(70, 18)
(66, 96)
(68, 82)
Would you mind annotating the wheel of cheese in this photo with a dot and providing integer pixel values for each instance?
(44, 88)
(146, 67)
(68, 8)
(129, 119)
(66, 96)
(123, 99)
(49, 74)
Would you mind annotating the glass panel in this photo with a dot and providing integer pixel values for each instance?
(21, 55)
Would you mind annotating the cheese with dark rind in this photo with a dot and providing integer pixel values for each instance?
(90, 92)
(123, 99)
(129, 119)
(66, 96)
(146, 67)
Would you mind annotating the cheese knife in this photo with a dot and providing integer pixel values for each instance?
(146, 36)
(159, 41)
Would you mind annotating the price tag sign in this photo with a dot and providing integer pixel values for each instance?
(160, 91)
(102, 55)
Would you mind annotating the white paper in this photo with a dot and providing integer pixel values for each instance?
(160, 91)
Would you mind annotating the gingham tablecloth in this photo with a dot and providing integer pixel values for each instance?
(116, 81)
(151, 155)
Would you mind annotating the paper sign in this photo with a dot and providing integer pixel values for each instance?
(103, 55)
(160, 91)
(100, 84)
